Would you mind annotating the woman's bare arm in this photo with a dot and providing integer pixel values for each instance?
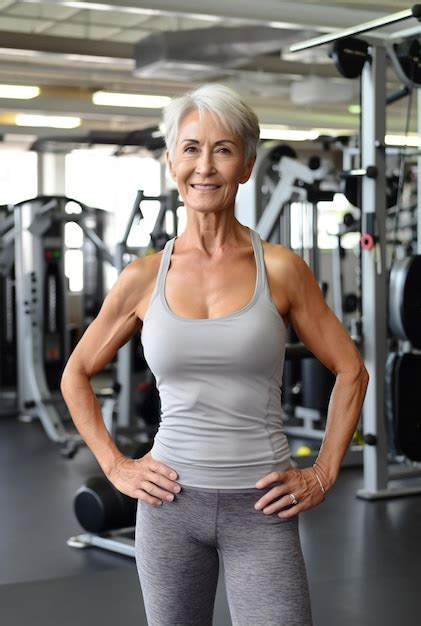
(321, 331)
(145, 478)
(115, 324)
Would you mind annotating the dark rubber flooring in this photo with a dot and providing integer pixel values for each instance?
(363, 558)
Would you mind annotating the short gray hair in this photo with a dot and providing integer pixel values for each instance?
(221, 101)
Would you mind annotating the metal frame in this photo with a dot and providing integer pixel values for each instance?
(114, 541)
(124, 355)
(34, 396)
(374, 278)
(249, 209)
(419, 177)
(380, 22)
(377, 473)
(169, 202)
(35, 399)
(290, 171)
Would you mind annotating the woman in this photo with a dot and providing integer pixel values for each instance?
(214, 307)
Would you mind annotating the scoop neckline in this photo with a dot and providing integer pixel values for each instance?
(222, 317)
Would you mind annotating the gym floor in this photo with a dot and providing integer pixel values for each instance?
(363, 558)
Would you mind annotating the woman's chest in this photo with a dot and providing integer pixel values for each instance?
(200, 291)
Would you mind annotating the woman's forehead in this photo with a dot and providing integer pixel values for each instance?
(197, 124)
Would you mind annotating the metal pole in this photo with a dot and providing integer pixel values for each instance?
(51, 174)
(125, 353)
(135, 210)
(419, 176)
(315, 252)
(337, 281)
(374, 292)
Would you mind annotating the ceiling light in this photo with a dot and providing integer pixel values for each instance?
(46, 121)
(335, 132)
(19, 92)
(95, 150)
(86, 58)
(93, 6)
(18, 53)
(109, 98)
(90, 58)
(287, 134)
(121, 8)
(413, 141)
(283, 25)
(355, 109)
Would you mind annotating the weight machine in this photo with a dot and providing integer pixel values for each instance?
(279, 186)
(32, 238)
(8, 363)
(42, 328)
(355, 57)
(132, 371)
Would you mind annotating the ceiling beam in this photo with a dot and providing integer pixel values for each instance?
(66, 45)
(269, 12)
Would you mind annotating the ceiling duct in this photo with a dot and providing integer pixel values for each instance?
(203, 53)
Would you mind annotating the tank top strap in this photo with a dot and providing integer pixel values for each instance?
(262, 284)
(163, 269)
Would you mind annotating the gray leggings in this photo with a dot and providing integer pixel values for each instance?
(177, 556)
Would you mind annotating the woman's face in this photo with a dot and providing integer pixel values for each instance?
(208, 164)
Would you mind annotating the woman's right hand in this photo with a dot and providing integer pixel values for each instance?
(144, 479)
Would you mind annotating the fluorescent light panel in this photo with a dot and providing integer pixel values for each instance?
(101, 6)
(47, 121)
(109, 98)
(355, 109)
(19, 92)
(412, 141)
(287, 134)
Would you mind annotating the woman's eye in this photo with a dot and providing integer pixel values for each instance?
(224, 150)
(190, 149)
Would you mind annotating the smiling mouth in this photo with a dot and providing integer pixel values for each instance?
(200, 187)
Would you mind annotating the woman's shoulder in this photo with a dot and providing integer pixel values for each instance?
(288, 274)
(282, 259)
(145, 263)
(138, 274)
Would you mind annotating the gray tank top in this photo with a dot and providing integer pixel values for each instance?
(219, 382)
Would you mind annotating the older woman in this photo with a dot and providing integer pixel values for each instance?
(214, 307)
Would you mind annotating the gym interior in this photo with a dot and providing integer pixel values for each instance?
(84, 190)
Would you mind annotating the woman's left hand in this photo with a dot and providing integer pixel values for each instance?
(291, 484)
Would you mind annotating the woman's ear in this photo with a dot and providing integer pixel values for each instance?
(248, 168)
(170, 166)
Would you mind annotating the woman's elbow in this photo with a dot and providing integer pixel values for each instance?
(356, 372)
(361, 374)
(73, 370)
(66, 378)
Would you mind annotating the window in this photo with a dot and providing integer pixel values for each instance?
(329, 216)
(18, 175)
(111, 183)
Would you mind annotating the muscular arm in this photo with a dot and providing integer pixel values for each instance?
(115, 324)
(320, 330)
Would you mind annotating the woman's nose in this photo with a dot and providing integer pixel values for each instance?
(205, 164)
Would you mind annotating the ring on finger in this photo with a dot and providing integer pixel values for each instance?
(293, 499)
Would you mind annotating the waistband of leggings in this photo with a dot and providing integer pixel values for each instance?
(221, 491)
